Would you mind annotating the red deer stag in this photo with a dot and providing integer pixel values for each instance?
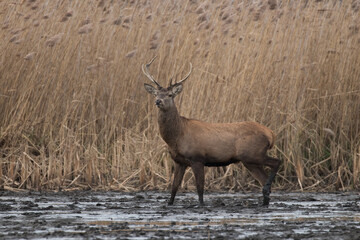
(193, 143)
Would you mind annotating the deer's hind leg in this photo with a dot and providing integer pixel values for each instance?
(274, 164)
(258, 172)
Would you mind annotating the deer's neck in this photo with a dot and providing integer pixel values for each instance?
(170, 124)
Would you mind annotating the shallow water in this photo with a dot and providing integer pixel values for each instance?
(143, 215)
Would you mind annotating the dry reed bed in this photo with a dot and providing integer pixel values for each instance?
(74, 113)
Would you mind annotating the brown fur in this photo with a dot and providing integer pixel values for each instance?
(195, 144)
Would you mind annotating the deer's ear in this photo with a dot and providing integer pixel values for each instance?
(150, 89)
(177, 88)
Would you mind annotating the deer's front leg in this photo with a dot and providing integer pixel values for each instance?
(178, 176)
(198, 169)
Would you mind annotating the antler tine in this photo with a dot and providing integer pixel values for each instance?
(145, 69)
(187, 76)
(171, 80)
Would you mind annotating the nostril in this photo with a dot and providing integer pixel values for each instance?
(157, 102)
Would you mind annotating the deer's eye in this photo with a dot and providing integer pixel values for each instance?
(171, 95)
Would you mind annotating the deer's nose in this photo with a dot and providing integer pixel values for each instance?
(158, 102)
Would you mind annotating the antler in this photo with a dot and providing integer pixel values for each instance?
(145, 69)
(182, 80)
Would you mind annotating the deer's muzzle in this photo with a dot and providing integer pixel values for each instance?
(158, 102)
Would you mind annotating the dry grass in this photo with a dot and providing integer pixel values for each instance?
(74, 113)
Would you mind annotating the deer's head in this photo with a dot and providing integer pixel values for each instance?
(164, 97)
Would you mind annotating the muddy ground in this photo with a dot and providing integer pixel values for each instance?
(144, 215)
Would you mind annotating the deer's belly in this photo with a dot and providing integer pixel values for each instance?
(215, 163)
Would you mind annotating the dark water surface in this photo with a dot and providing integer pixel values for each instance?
(144, 215)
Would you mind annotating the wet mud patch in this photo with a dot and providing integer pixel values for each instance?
(143, 215)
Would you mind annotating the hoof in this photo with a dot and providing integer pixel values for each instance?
(266, 201)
